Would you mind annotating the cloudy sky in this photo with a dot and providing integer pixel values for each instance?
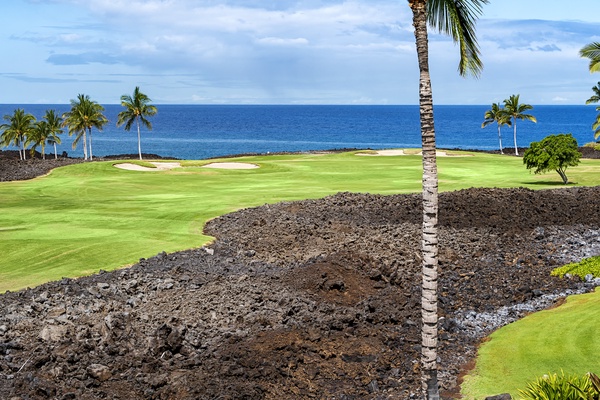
(285, 52)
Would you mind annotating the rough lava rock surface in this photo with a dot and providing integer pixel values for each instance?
(309, 299)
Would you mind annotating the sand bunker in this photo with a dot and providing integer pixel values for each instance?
(401, 152)
(231, 165)
(160, 166)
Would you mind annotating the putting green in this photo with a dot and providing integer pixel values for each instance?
(91, 216)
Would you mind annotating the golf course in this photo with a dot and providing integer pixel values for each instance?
(87, 217)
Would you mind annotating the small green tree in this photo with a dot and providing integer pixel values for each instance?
(554, 152)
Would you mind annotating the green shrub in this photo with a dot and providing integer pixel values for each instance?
(586, 266)
(561, 387)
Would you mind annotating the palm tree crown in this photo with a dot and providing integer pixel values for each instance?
(456, 18)
(137, 109)
(592, 51)
(516, 111)
(84, 115)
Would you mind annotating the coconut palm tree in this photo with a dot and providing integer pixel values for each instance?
(595, 99)
(516, 111)
(38, 136)
(498, 115)
(456, 18)
(592, 51)
(137, 109)
(17, 130)
(84, 115)
(54, 123)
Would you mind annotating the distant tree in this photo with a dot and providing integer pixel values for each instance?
(592, 51)
(54, 123)
(137, 109)
(516, 111)
(554, 152)
(498, 115)
(38, 136)
(84, 115)
(595, 99)
(17, 130)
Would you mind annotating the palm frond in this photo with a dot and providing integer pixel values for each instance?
(457, 18)
(592, 51)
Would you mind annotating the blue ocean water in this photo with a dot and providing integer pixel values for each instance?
(203, 131)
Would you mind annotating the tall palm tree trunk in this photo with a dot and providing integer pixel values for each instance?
(55, 153)
(24, 152)
(500, 139)
(85, 150)
(515, 135)
(429, 331)
(137, 120)
(91, 154)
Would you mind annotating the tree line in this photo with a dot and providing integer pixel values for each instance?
(23, 131)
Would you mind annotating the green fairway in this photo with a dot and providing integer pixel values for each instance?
(550, 341)
(92, 216)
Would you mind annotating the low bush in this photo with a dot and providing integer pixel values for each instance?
(584, 267)
(562, 387)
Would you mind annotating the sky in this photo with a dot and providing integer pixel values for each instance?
(286, 52)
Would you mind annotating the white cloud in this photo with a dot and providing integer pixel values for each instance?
(330, 51)
(282, 41)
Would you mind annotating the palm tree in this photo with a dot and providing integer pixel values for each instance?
(17, 130)
(595, 99)
(38, 137)
(515, 110)
(456, 18)
(85, 114)
(499, 116)
(592, 51)
(54, 123)
(137, 108)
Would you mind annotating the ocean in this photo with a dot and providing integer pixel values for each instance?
(205, 131)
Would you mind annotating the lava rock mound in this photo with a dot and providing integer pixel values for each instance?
(308, 299)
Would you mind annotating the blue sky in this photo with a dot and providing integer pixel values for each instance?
(285, 52)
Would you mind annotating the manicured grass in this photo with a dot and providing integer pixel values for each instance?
(550, 341)
(92, 216)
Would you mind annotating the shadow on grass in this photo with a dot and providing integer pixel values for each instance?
(549, 183)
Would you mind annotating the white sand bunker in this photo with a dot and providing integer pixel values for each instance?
(230, 165)
(401, 152)
(394, 152)
(160, 166)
